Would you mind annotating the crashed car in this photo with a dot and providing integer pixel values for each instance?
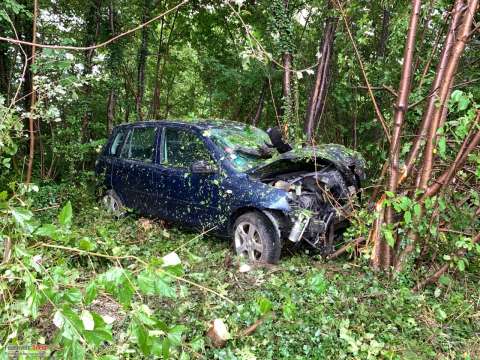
(234, 180)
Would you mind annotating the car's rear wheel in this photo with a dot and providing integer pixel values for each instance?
(255, 238)
(112, 203)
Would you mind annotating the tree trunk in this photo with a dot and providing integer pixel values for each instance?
(156, 91)
(111, 103)
(92, 32)
(159, 70)
(318, 94)
(382, 41)
(112, 96)
(439, 114)
(439, 76)
(261, 101)
(287, 59)
(4, 70)
(383, 254)
(440, 111)
(33, 97)
(142, 60)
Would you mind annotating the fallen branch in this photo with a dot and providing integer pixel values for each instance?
(345, 247)
(132, 257)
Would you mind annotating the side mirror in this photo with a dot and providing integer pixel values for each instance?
(203, 167)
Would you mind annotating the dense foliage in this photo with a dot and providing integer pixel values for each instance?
(93, 286)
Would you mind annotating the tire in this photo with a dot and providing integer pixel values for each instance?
(113, 204)
(255, 238)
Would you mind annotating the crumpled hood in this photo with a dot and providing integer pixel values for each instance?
(342, 158)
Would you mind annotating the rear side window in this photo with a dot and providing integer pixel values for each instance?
(117, 142)
(140, 144)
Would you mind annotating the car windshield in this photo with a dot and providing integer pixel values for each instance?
(244, 146)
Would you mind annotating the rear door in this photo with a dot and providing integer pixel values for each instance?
(188, 198)
(104, 167)
(133, 171)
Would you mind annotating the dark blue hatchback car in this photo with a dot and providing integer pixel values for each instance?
(229, 177)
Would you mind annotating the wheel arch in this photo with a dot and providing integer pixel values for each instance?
(277, 218)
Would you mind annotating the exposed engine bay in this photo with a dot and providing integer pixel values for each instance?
(320, 200)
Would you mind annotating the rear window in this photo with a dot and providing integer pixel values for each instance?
(140, 144)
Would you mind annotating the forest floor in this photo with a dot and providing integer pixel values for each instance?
(305, 308)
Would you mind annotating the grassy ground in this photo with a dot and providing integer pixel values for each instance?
(305, 308)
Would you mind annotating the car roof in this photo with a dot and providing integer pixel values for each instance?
(201, 124)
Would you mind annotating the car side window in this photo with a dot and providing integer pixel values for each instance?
(117, 142)
(181, 148)
(140, 144)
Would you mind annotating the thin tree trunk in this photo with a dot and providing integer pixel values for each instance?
(439, 114)
(445, 90)
(111, 103)
(287, 59)
(261, 101)
(112, 96)
(33, 97)
(92, 33)
(439, 76)
(318, 94)
(142, 59)
(4, 70)
(383, 254)
(156, 91)
(382, 43)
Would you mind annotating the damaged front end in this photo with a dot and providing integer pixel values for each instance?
(322, 184)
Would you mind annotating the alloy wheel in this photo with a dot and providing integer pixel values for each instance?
(248, 241)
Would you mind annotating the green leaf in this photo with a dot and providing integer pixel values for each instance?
(151, 283)
(461, 265)
(74, 351)
(143, 339)
(87, 320)
(417, 210)
(175, 334)
(461, 99)
(289, 310)
(390, 194)
(444, 280)
(407, 217)
(86, 244)
(166, 348)
(318, 283)
(65, 216)
(21, 216)
(388, 234)
(73, 295)
(442, 147)
(90, 293)
(264, 305)
(47, 230)
(114, 275)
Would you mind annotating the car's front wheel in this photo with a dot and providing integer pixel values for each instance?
(255, 238)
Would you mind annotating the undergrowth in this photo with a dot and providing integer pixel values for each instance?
(89, 285)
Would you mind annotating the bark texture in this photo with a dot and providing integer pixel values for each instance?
(318, 94)
(383, 254)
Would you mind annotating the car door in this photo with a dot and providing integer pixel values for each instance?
(187, 197)
(105, 164)
(133, 170)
